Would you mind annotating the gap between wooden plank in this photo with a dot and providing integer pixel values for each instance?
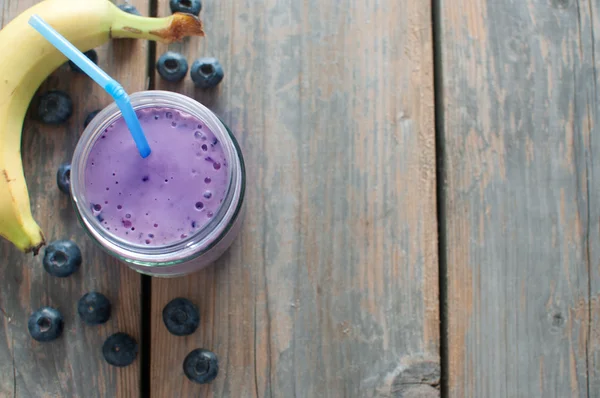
(438, 93)
(146, 304)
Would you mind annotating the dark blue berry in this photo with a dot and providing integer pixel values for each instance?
(89, 117)
(55, 107)
(206, 72)
(172, 66)
(181, 317)
(128, 8)
(62, 258)
(187, 6)
(94, 308)
(91, 54)
(120, 349)
(45, 324)
(63, 177)
(201, 366)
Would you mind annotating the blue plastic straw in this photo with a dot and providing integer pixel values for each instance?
(99, 76)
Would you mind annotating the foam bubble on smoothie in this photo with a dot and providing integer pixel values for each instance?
(159, 195)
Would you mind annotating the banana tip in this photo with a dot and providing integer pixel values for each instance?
(182, 25)
(36, 249)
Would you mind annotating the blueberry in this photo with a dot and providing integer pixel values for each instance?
(89, 117)
(94, 308)
(181, 317)
(63, 177)
(45, 324)
(120, 349)
(55, 107)
(206, 72)
(201, 366)
(62, 258)
(172, 66)
(187, 6)
(128, 8)
(91, 54)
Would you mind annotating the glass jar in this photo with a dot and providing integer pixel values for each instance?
(194, 251)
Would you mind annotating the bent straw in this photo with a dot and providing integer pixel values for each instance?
(109, 84)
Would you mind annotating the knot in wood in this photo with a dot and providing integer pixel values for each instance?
(420, 379)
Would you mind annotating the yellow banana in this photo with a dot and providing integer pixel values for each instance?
(27, 59)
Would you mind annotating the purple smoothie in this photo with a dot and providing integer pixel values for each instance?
(166, 197)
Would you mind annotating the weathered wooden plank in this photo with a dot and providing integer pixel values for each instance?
(73, 365)
(332, 288)
(520, 118)
(592, 11)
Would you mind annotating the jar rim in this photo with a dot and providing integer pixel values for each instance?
(193, 245)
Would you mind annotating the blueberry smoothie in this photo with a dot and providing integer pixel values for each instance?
(166, 197)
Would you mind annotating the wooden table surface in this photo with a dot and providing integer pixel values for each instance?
(423, 209)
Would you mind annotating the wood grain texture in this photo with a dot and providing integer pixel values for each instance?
(72, 366)
(332, 288)
(521, 177)
(592, 24)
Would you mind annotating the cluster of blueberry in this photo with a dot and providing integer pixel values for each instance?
(181, 317)
(61, 259)
(205, 72)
